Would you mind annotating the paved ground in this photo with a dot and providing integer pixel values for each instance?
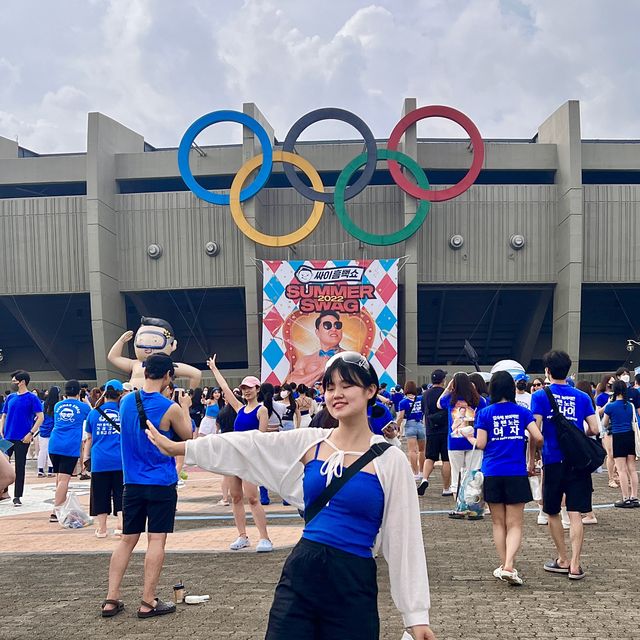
(56, 595)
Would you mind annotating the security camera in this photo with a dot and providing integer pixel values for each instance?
(630, 346)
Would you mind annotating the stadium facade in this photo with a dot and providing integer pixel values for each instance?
(542, 251)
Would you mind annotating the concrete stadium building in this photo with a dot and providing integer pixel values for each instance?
(547, 253)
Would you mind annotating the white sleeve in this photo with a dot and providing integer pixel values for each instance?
(402, 545)
(264, 458)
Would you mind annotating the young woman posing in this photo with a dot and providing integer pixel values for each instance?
(501, 429)
(214, 403)
(252, 416)
(328, 586)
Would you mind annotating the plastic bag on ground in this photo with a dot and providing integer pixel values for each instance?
(71, 515)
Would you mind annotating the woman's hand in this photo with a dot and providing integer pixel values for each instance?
(166, 446)
(211, 363)
(421, 632)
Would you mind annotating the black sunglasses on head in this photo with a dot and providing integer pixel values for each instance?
(336, 325)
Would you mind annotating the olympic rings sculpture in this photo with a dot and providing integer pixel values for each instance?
(343, 190)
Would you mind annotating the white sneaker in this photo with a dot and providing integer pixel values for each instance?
(543, 518)
(240, 543)
(511, 577)
(417, 477)
(497, 573)
(264, 546)
(180, 483)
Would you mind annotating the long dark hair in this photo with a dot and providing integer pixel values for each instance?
(290, 398)
(53, 396)
(464, 389)
(502, 387)
(478, 382)
(584, 385)
(265, 395)
(197, 396)
(602, 385)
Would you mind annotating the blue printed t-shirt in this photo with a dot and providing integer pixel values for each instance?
(460, 414)
(602, 399)
(68, 420)
(634, 397)
(620, 416)
(142, 462)
(379, 423)
(506, 424)
(414, 406)
(575, 405)
(20, 410)
(105, 438)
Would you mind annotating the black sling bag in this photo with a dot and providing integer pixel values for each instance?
(336, 484)
(141, 413)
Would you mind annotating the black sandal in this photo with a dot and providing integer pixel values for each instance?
(118, 606)
(159, 609)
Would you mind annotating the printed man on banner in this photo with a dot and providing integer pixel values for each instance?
(154, 336)
(309, 369)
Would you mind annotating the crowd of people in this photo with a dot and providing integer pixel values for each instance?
(257, 436)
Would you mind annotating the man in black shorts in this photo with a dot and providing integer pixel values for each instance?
(150, 478)
(560, 480)
(437, 426)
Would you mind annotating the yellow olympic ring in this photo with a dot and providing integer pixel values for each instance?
(262, 238)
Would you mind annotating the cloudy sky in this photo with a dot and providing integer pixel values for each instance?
(156, 65)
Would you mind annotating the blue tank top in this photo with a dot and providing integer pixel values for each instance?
(247, 421)
(212, 411)
(142, 461)
(353, 517)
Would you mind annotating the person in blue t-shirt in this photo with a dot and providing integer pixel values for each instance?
(150, 494)
(19, 422)
(618, 420)
(103, 429)
(65, 443)
(411, 409)
(461, 400)
(560, 480)
(603, 395)
(502, 433)
(396, 397)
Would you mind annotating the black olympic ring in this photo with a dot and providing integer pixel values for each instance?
(331, 113)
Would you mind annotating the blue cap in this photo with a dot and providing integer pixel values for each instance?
(116, 385)
(521, 376)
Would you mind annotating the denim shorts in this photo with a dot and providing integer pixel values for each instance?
(414, 429)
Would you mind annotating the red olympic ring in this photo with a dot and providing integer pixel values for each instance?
(436, 111)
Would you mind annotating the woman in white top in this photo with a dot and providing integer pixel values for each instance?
(328, 585)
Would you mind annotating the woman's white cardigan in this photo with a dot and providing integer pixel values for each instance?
(273, 460)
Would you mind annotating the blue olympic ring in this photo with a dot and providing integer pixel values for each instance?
(213, 118)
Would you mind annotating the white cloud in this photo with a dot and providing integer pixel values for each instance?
(157, 65)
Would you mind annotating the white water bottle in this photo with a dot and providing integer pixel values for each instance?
(196, 599)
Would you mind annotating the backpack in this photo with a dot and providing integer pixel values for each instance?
(580, 452)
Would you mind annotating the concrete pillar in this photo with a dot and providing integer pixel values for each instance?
(562, 128)
(409, 274)
(8, 149)
(105, 138)
(252, 277)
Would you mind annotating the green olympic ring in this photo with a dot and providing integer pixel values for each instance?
(382, 239)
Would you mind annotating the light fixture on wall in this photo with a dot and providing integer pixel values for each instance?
(631, 345)
(154, 251)
(517, 241)
(1, 355)
(212, 248)
(456, 241)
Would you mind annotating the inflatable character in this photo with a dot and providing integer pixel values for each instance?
(154, 336)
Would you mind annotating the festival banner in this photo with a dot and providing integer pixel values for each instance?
(313, 309)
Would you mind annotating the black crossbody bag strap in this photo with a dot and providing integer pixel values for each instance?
(112, 422)
(336, 484)
(552, 401)
(141, 412)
